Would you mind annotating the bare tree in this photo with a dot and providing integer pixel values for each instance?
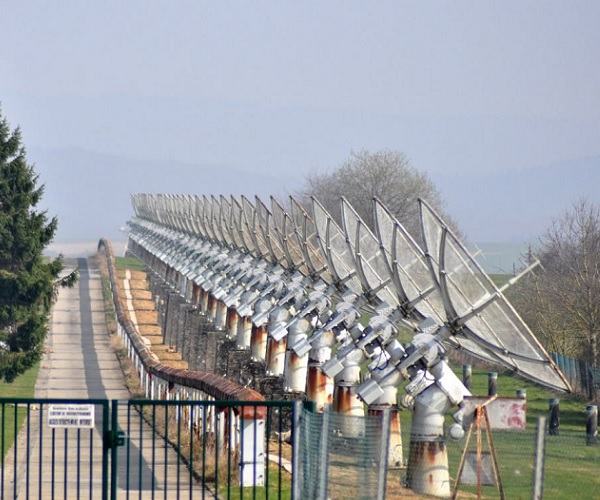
(386, 175)
(562, 301)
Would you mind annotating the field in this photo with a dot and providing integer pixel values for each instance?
(22, 387)
(571, 466)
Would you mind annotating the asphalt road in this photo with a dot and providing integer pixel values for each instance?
(80, 364)
(79, 360)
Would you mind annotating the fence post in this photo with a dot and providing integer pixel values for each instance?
(297, 415)
(252, 456)
(539, 459)
(386, 422)
(492, 383)
(467, 376)
(591, 425)
(323, 470)
(554, 425)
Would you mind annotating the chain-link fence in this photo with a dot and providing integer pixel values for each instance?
(345, 457)
(584, 377)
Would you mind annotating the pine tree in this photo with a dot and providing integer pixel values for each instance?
(28, 281)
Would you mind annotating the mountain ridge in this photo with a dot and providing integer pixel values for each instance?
(511, 207)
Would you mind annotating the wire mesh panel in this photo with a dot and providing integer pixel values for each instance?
(341, 456)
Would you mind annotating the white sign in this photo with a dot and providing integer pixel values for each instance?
(79, 416)
(504, 414)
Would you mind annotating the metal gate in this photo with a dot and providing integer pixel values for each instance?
(139, 449)
(54, 447)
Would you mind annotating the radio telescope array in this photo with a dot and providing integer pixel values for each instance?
(295, 273)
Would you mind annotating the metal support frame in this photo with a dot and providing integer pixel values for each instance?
(480, 421)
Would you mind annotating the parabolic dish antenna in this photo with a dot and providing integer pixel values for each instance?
(263, 225)
(283, 226)
(305, 234)
(215, 218)
(480, 318)
(177, 213)
(186, 213)
(417, 292)
(333, 244)
(225, 222)
(255, 233)
(207, 219)
(237, 226)
(244, 226)
(197, 217)
(369, 260)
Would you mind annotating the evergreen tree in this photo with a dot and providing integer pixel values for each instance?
(28, 281)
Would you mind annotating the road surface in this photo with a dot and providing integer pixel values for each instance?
(67, 462)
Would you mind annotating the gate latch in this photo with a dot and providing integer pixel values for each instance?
(115, 438)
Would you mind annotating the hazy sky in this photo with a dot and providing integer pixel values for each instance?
(459, 87)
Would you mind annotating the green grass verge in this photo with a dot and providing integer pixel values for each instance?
(279, 486)
(11, 418)
(131, 263)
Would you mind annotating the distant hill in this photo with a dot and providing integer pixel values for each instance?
(79, 183)
(511, 207)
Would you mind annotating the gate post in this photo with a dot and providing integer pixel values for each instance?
(296, 425)
(252, 439)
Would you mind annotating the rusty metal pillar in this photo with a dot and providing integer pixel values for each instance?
(320, 387)
(427, 472)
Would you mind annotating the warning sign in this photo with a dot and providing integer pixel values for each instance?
(505, 414)
(79, 416)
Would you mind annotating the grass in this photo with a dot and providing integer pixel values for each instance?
(279, 486)
(500, 279)
(22, 387)
(571, 466)
(131, 263)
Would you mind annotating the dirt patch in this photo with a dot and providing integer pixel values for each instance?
(138, 285)
(134, 275)
(155, 340)
(150, 330)
(147, 317)
(394, 487)
(143, 305)
(138, 276)
(141, 295)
